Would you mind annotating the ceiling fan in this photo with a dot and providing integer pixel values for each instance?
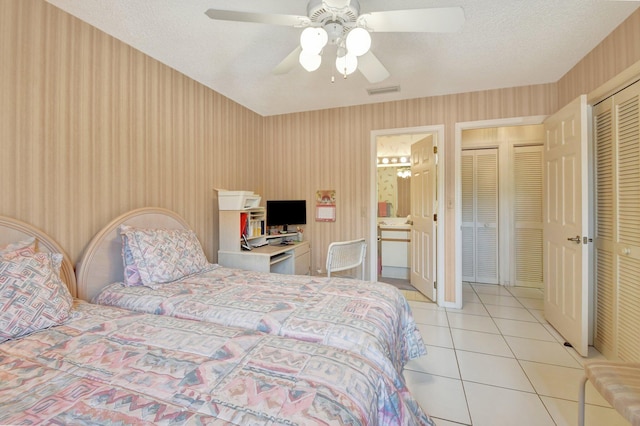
(339, 23)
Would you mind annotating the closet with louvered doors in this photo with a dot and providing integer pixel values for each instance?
(616, 122)
(480, 216)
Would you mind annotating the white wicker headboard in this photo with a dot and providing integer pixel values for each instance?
(12, 230)
(101, 264)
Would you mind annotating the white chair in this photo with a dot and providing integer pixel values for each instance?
(618, 383)
(345, 255)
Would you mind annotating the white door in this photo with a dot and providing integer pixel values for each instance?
(423, 209)
(566, 225)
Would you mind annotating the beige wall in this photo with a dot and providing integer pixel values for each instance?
(91, 128)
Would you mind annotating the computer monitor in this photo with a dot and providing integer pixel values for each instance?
(286, 212)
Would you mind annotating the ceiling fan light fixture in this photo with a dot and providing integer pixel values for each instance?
(358, 41)
(346, 64)
(310, 61)
(313, 39)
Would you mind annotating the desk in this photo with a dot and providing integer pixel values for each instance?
(281, 259)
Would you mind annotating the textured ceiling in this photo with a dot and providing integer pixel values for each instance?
(503, 43)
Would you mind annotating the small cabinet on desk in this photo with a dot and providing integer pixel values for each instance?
(282, 259)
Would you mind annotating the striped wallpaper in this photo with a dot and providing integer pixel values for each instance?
(91, 128)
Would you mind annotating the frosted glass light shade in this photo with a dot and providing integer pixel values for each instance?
(358, 41)
(313, 39)
(346, 64)
(310, 61)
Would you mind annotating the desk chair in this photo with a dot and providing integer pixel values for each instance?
(345, 255)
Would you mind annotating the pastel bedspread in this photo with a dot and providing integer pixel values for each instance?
(110, 366)
(371, 319)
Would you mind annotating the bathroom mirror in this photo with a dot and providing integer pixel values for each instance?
(394, 189)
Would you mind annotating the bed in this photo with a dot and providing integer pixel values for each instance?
(371, 319)
(105, 365)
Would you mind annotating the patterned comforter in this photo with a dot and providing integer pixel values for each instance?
(110, 366)
(371, 319)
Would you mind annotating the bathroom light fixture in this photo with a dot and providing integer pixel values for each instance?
(393, 161)
(404, 173)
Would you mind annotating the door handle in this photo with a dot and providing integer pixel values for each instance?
(575, 239)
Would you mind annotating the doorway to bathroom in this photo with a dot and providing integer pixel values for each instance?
(406, 251)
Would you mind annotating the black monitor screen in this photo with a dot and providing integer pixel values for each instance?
(286, 212)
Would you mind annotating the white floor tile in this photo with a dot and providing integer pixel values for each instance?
(501, 300)
(520, 314)
(554, 333)
(438, 361)
(528, 292)
(470, 297)
(497, 361)
(472, 322)
(560, 382)
(593, 354)
(538, 314)
(474, 341)
(541, 351)
(529, 330)
(531, 303)
(493, 370)
(471, 309)
(439, 397)
(414, 304)
(565, 413)
(433, 335)
(494, 406)
(431, 317)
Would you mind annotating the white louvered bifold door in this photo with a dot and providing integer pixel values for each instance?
(468, 218)
(480, 216)
(528, 170)
(617, 146)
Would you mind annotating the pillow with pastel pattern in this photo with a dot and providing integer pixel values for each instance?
(25, 247)
(32, 295)
(131, 274)
(160, 255)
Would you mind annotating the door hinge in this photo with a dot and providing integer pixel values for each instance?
(435, 149)
(435, 217)
(435, 285)
(586, 240)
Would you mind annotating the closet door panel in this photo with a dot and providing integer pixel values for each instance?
(487, 216)
(627, 114)
(468, 218)
(528, 171)
(606, 273)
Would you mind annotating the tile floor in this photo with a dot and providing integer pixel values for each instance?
(497, 362)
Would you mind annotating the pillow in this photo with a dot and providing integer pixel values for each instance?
(160, 255)
(131, 274)
(20, 248)
(32, 296)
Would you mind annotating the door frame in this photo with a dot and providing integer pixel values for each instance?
(438, 131)
(457, 161)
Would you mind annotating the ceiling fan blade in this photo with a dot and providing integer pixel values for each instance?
(260, 18)
(371, 67)
(288, 63)
(433, 20)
